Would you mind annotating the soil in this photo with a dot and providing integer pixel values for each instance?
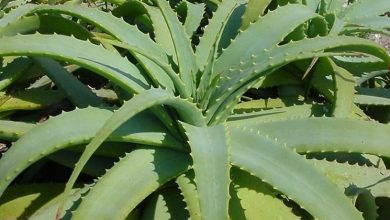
(381, 39)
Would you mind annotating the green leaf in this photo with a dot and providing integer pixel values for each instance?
(23, 25)
(59, 132)
(322, 79)
(254, 10)
(13, 71)
(344, 90)
(334, 6)
(381, 22)
(313, 4)
(193, 15)
(363, 30)
(21, 201)
(278, 114)
(146, 170)
(77, 92)
(369, 8)
(237, 81)
(45, 24)
(156, 208)
(190, 194)
(213, 32)
(185, 57)
(361, 65)
(122, 31)
(211, 38)
(15, 14)
(164, 205)
(329, 134)
(279, 78)
(93, 57)
(210, 154)
(355, 179)
(256, 199)
(31, 99)
(372, 96)
(13, 130)
(245, 44)
(49, 210)
(161, 32)
(152, 97)
(178, 83)
(289, 173)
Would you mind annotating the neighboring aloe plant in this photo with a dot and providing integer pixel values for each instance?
(188, 155)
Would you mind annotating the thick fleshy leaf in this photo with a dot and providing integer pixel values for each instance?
(59, 132)
(254, 199)
(122, 31)
(13, 71)
(232, 84)
(164, 205)
(329, 134)
(289, 173)
(77, 92)
(148, 99)
(21, 201)
(213, 31)
(372, 96)
(185, 56)
(355, 179)
(190, 194)
(146, 170)
(210, 153)
(254, 10)
(93, 57)
(30, 99)
(245, 45)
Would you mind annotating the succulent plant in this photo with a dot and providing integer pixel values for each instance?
(188, 145)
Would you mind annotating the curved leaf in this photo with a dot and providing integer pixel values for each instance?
(238, 80)
(45, 24)
(13, 71)
(59, 132)
(93, 57)
(49, 210)
(329, 134)
(370, 8)
(256, 199)
(355, 179)
(77, 92)
(210, 154)
(121, 30)
(243, 46)
(21, 201)
(164, 205)
(13, 130)
(15, 14)
(30, 99)
(372, 96)
(188, 69)
(190, 194)
(153, 97)
(193, 15)
(289, 173)
(213, 31)
(254, 10)
(146, 170)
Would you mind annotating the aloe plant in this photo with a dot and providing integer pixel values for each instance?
(188, 153)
